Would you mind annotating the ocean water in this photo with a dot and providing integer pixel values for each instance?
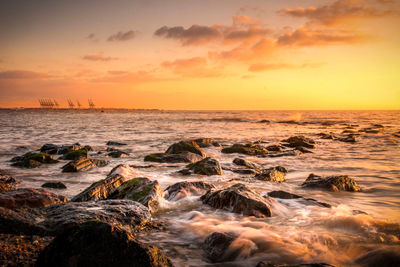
(295, 233)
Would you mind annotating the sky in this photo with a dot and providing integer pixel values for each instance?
(202, 55)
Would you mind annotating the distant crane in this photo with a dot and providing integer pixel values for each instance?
(91, 104)
(78, 104)
(46, 103)
(55, 103)
(70, 103)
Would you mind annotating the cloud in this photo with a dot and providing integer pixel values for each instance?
(21, 74)
(259, 67)
(98, 57)
(194, 35)
(335, 12)
(191, 67)
(245, 20)
(135, 77)
(122, 36)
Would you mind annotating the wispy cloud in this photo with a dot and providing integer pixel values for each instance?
(21, 74)
(98, 57)
(122, 36)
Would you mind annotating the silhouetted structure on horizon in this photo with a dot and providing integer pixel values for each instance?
(70, 103)
(47, 103)
(91, 104)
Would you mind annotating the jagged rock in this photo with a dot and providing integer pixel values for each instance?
(129, 214)
(299, 141)
(81, 164)
(56, 185)
(351, 138)
(184, 189)
(7, 182)
(275, 148)
(206, 142)
(103, 188)
(247, 149)
(246, 163)
(384, 257)
(184, 157)
(269, 264)
(49, 148)
(216, 245)
(95, 243)
(185, 146)
(29, 198)
(307, 201)
(142, 190)
(275, 174)
(76, 154)
(115, 143)
(55, 149)
(19, 222)
(207, 166)
(239, 199)
(117, 153)
(331, 183)
(32, 160)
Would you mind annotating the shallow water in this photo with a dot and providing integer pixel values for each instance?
(296, 232)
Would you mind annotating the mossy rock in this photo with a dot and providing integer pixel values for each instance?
(76, 154)
(32, 160)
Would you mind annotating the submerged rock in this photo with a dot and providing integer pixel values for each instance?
(115, 143)
(206, 142)
(103, 188)
(294, 152)
(275, 174)
(29, 198)
(7, 182)
(216, 245)
(307, 201)
(327, 136)
(332, 183)
(246, 163)
(142, 190)
(95, 243)
(239, 199)
(351, 138)
(56, 149)
(184, 157)
(185, 146)
(117, 153)
(184, 189)
(275, 148)
(32, 160)
(56, 185)
(207, 166)
(76, 154)
(299, 141)
(247, 149)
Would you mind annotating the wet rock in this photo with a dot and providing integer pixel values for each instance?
(378, 126)
(55, 185)
(49, 148)
(239, 199)
(299, 141)
(81, 164)
(246, 163)
(206, 142)
(247, 149)
(270, 264)
(264, 121)
(302, 149)
(185, 146)
(7, 182)
(216, 245)
(117, 154)
(307, 201)
(332, 183)
(275, 148)
(99, 162)
(327, 136)
(29, 198)
(370, 130)
(245, 171)
(55, 149)
(69, 148)
(207, 166)
(290, 153)
(32, 160)
(396, 134)
(275, 174)
(351, 138)
(129, 214)
(142, 190)
(19, 222)
(103, 188)
(95, 243)
(76, 154)
(184, 157)
(115, 143)
(386, 257)
(183, 189)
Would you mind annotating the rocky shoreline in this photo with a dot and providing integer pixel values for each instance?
(99, 226)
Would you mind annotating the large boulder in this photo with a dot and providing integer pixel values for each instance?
(7, 182)
(83, 164)
(103, 188)
(19, 222)
(32, 160)
(207, 166)
(95, 243)
(239, 199)
(126, 213)
(299, 141)
(184, 157)
(185, 146)
(183, 189)
(29, 198)
(384, 257)
(275, 174)
(246, 163)
(247, 149)
(216, 245)
(332, 183)
(142, 190)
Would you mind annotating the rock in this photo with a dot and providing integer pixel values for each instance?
(239, 199)
(19, 222)
(142, 190)
(299, 141)
(302, 149)
(99, 162)
(206, 142)
(115, 143)
(186, 157)
(32, 160)
(55, 185)
(378, 126)
(275, 148)
(216, 245)
(307, 201)
(29, 198)
(247, 149)
(294, 152)
(332, 183)
(68, 148)
(245, 171)
(351, 138)
(76, 154)
(186, 146)
(264, 121)
(49, 148)
(207, 166)
(183, 189)
(126, 213)
(327, 136)
(81, 164)
(55, 149)
(275, 174)
(117, 154)
(95, 243)
(246, 163)
(384, 257)
(269, 264)
(103, 188)
(7, 182)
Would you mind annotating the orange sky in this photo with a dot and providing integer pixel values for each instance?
(179, 54)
